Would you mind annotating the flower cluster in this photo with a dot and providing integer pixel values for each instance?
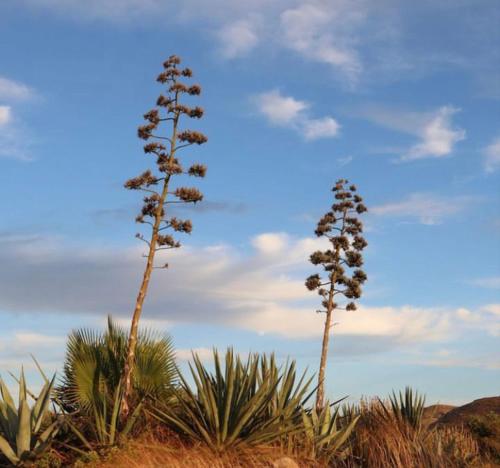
(190, 194)
(342, 262)
(169, 111)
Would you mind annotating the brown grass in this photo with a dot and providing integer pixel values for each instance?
(381, 441)
(149, 452)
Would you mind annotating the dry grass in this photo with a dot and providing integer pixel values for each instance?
(381, 441)
(150, 453)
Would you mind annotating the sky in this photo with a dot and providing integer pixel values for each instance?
(400, 97)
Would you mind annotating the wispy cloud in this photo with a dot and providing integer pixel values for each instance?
(238, 38)
(426, 208)
(492, 282)
(438, 136)
(435, 130)
(5, 115)
(11, 90)
(261, 290)
(322, 31)
(361, 41)
(14, 142)
(492, 156)
(288, 112)
(205, 354)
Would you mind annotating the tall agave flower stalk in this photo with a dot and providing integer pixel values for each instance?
(157, 185)
(341, 264)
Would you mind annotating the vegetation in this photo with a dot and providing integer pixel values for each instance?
(121, 400)
(249, 412)
(343, 230)
(407, 409)
(250, 402)
(26, 432)
(94, 365)
(165, 148)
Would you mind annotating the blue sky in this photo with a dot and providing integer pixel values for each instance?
(400, 97)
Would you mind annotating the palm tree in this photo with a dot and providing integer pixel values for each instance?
(95, 360)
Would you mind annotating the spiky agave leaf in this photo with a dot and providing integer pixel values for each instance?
(236, 404)
(323, 433)
(22, 435)
(408, 408)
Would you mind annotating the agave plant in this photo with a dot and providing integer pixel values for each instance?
(94, 364)
(243, 403)
(408, 408)
(291, 395)
(323, 433)
(24, 432)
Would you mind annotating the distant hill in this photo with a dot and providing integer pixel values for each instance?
(461, 414)
(434, 412)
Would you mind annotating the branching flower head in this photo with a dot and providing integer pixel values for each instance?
(341, 263)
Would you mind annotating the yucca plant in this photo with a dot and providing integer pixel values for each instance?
(292, 393)
(323, 434)
(26, 432)
(95, 361)
(240, 404)
(407, 408)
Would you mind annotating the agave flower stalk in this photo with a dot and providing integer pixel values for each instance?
(157, 186)
(341, 264)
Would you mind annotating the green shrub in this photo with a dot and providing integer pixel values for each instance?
(92, 391)
(95, 359)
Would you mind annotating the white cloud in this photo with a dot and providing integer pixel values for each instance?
(492, 282)
(237, 39)
(286, 111)
(492, 309)
(280, 110)
(14, 139)
(326, 127)
(485, 319)
(492, 156)
(16, 347)
(261, 290)
(489, 362)
(425, 207)
(344, 160)
(438, 136)
(321, 31)
(270, 243)
(435, 129)
(5, 115)
(205, 354)
(14, 91)
(397, 324)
